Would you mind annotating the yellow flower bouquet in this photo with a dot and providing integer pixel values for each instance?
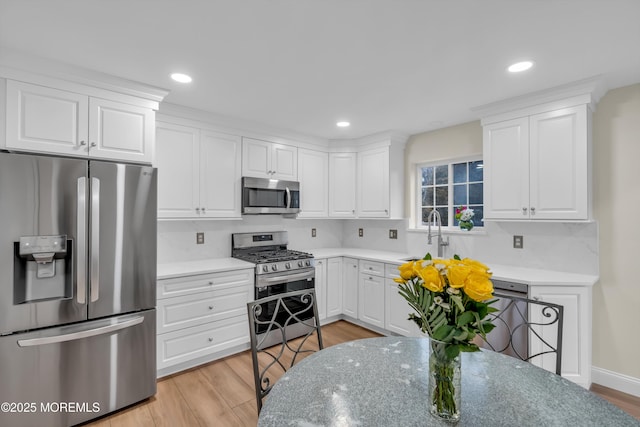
(450, 298)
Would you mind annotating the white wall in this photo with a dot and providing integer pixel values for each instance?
(616, 298)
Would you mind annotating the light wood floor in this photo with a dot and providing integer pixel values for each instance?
(221, 393)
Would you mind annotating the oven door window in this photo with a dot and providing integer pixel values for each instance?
(294, 304)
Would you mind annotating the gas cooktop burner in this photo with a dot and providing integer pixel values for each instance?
(261, 257)
(269, 252)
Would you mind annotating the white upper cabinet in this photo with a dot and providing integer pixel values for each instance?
(198, 172)
(537, 167)
(342, 185)
(373, 183)
(177, 154)
(49, 120)
(262, 159)
(313, 173)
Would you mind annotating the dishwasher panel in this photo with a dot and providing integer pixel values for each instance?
(511, 335)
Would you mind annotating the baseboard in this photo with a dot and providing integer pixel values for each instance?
(616, 381)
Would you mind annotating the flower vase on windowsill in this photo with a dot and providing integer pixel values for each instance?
(464, 215)
(451, 299)
(466, 225)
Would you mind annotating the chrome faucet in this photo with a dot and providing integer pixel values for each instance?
(441, 242)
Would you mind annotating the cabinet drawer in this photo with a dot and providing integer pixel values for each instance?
(187, 285)
(196, 309)
(198, 341)
(372, 267)
(391, 271)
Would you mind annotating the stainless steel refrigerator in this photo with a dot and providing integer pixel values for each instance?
(77, 288)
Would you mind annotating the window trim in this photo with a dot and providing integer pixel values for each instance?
(418, 193)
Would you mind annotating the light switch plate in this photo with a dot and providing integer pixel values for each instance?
(200, 238)
(518, 242)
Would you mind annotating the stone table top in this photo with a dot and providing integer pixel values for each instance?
(383, 382)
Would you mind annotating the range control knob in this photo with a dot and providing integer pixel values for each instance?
(265, 268)
(307, 263)
(287, 265)
(274, 267)
(300, 263)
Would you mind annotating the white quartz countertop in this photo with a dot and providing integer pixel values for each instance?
(530, 276)
(188, 268)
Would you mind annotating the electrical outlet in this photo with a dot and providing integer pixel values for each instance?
(518, 242)
(360, 232)
(313, 232)
(393, 234)
(200, 238)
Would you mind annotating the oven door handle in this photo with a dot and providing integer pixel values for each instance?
(285, 278)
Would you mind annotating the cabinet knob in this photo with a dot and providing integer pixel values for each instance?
(204, 210)
(93, 144)
(524, 211)
(210, 339)
(533, 210)
(210, 307)
(83, 142)
(210, 283)
(197, 210)
(536, 298)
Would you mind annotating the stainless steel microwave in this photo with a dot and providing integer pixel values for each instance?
(270, 196)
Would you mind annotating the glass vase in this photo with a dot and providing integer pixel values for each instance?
(444, 383)
(466, 225)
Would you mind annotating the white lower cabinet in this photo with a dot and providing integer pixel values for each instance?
(396, 307)
(334, 287)
(576, 331)
(371, 293)
(201, 316)
(321, 287)
(350, 287)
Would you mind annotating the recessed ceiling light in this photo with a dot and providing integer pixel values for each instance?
(520, 66)
(343, 124)
(181, 78)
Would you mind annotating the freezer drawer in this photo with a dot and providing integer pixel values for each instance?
(67, 375)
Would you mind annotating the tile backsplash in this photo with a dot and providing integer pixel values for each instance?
(569, 247)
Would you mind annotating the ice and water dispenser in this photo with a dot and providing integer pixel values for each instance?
(42, 268)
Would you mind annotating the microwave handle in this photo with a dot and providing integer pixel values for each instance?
(287, 197)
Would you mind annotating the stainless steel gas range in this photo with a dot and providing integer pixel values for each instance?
(278, 270)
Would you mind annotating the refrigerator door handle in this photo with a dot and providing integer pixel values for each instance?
(81, 242)
(81, 334)
(95, 239)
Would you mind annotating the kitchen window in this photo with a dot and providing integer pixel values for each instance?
(446, 186)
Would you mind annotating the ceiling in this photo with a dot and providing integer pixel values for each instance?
(302, 65)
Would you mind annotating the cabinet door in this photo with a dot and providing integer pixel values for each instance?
(220, 158)
(342, 185)
(334, 287)
(313, 173)
(284, 162)
(576, 331)
(350, 287)
(371, 300)
(46, 120)
(373, 183)
(397, 312)
(506, 169)
(256, 158)
(321, 287)
(559, 164)
(120, 131)
(177, 154)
